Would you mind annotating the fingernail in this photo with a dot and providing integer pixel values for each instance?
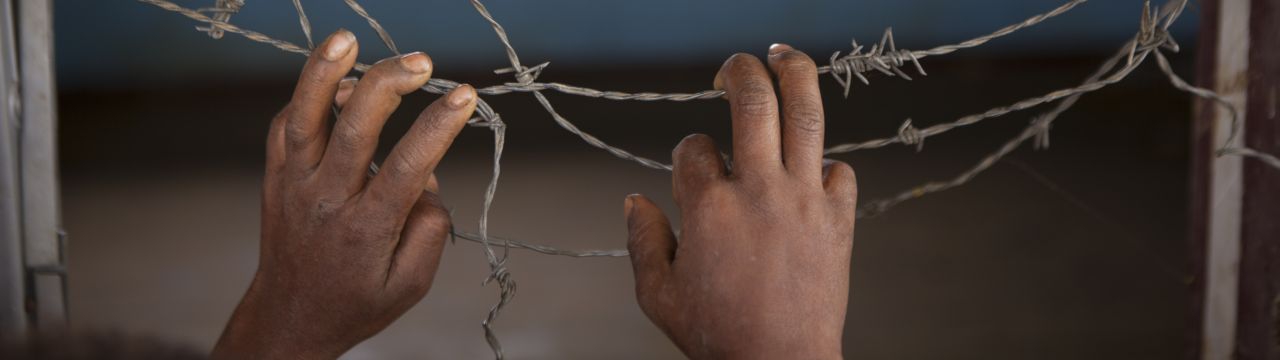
(338, 45)
(629, 204)
(460, 96)
(778, 48)
(415, 62)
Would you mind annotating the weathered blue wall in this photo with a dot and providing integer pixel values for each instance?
(122, 42)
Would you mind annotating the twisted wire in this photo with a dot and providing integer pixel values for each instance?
(843, 69)
(1229, 146)
(222, 11)
(373, 23)
(305, 23)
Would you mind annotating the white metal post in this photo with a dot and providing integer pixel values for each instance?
(13, 321)
(1222, 250)
(41, 206)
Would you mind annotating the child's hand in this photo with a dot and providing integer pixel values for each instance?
(342, 254)
(761, 267)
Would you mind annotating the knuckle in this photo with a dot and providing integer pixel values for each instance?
(324, 206)
(407, 167)
(380, 75)
(641, 229)
(693, 145)
(694, 141)
(348, 137)
(646, 300)
(418, 288)
(437, 221)
(707, 195)
(755, 98)
(297, 137)
(285, 113)
(851, 177)
(296, 130)
(805, 115)
(361, 229)
(435, 124)
(842, 182)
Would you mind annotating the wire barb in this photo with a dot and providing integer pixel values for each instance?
(222, 11)
(910, 135)
(884, 57)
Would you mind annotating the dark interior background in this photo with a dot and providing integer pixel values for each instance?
(1073, 252)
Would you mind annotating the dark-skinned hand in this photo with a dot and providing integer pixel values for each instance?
(344, 254)
(760, 269)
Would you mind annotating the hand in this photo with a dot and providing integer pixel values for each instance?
(342, 254)
(761, 268)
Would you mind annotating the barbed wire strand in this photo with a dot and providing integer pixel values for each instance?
(373, 23)
(1039, 125)
(498, 270)
(1228, 146)
(305, 23)
(440, 86)
(1148, 40)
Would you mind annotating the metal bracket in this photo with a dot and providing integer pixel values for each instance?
(47, 285)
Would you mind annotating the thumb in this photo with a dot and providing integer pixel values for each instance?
(417, 256)
(651, 243)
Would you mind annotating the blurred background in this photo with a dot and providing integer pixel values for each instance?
(1078, 251)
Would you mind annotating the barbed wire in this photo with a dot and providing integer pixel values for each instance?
(883, 57)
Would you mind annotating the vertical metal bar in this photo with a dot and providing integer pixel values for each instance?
(1201, 161)
(1218, 181)
(13, 322)
(1257, 328)
(41, 213)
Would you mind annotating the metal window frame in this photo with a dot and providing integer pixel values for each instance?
(33, 284)
(12, 317)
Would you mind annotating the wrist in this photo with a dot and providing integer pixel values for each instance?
(262, 329)
(812, 347)
(814, 351)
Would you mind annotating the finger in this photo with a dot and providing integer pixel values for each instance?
(276, 160)
(414, 158)
(697, 164)
(754, 109)
(802, 116)
(376, 96)
(345, 88)
(276, 146)
(306, 126)
(652, 245)
(433, 184)
(417, 255)
(841, 184)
